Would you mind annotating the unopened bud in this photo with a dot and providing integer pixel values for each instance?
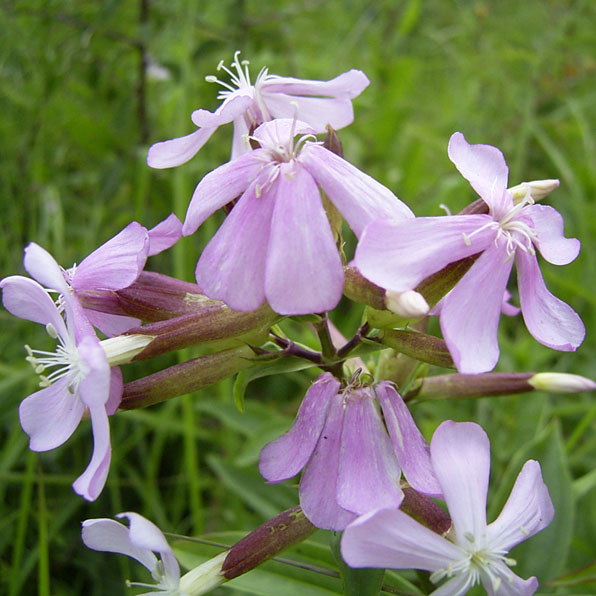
(204, 578)
(359, 289)
(537, 189)
(561, 383)
(410, 305)
(123, 348)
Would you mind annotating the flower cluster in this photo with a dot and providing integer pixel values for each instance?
(366, 467)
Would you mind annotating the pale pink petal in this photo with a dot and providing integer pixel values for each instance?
(391, 539)
(91, 482)
(369, 475)
(318, 112)
(413, 453)
(229, 110)
(164, 235)
(551, 321)
(508, 309)
(528, 510)
(318, 486)
(460, 454)
(359, 198)
(232, 266)
(398, 255)
(470, 313)
(115, 264)
(42, 266)
(304, 273)
(280, 132)
(116, 386)
(511, 585)
(456, 586)
(286, 456)
(26, 299)
(484, 167)
(94, 388)
(51, 415)
(111, 325)
(551, 242)
(240, 142)
(175, 152)
(219, 187)
(349, 84)
(107, 535)
(146, 534)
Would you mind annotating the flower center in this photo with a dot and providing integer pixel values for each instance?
(475, 564)
(65, 362)
(240, 81)
(516, 233)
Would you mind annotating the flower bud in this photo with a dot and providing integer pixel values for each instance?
(205, 577)
(538, 189)
(359, 289)
(410, 305)
(421, 346)
(123, 348)
(561, 383)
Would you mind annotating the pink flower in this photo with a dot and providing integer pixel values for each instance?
(140, 541)
(399, 255)
(115, 265)
(318, 103)
(277, 243)
(350, 464)
(81, 378)
(472, 552)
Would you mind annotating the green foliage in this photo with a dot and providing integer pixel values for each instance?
(77, 113)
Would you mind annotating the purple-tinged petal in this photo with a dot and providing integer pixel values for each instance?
(551, 321)
(304, 273)
(91, 482)
(349, 84)
(164, 235)
(551, 242)
(318, 112)
(470, 314)
(175, 152)
(280, 132)
(460, 454)
(413, 453)
(42, 266)
(510, 585)
(110, 536)
(94, 388)
(508, 309)
(456, 586)
(232, 266)
(116, 264)
(240, 142)
(318, 486)
(116, 387)
(484, 167)
(359, 198)
(219, 187)
(391, 539)
(398, 255)
(26, 299)
(287, 455)
(111, 325)
(528, 510)
(229, 110)
(369, 474)
(51, 415)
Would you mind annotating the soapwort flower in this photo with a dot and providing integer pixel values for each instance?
(139, 541)
(80, 378)
(472, 552)
(318, 103)
(399, 255)
(277, 243)
(351, 465)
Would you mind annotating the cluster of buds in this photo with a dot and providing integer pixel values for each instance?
(279, 254)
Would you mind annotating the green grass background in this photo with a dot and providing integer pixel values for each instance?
(77, 114)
